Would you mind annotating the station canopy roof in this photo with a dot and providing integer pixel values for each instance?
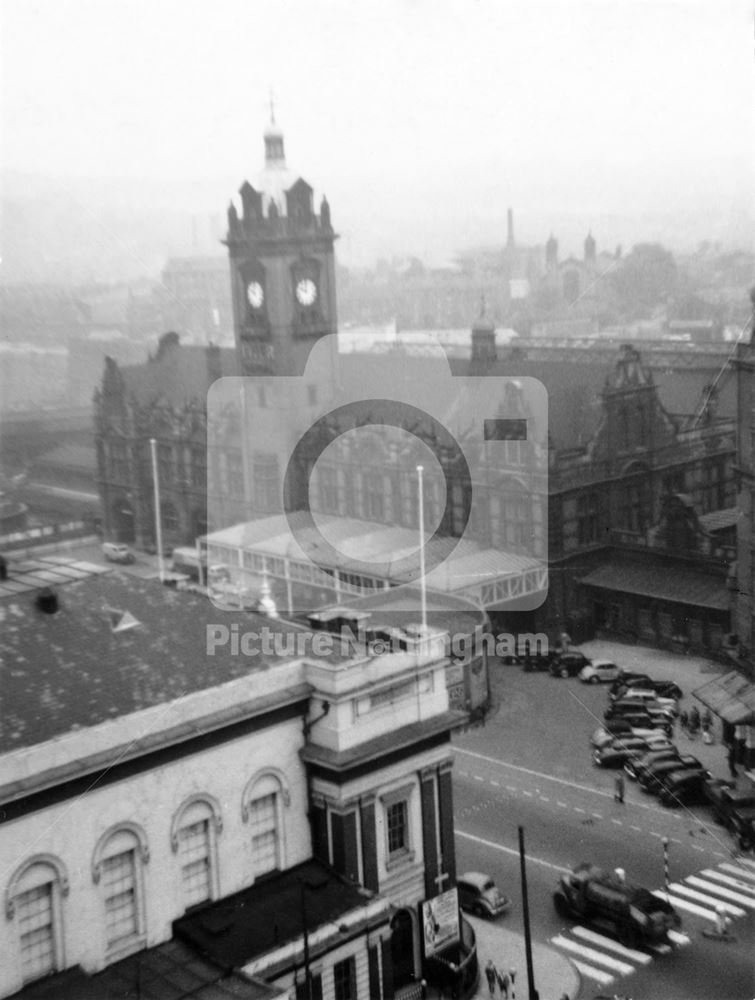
(731, 697)
(452, 565)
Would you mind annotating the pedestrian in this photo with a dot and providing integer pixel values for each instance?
(694, 720)
(618, 789)
(503, 983)
(491, 974)
(684, 721)
(731, 759)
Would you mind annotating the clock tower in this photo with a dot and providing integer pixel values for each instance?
(282, 267)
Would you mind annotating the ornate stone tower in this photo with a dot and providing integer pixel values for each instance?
(282, 267)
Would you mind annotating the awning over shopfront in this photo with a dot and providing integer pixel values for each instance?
(731, 697)
(678, 584)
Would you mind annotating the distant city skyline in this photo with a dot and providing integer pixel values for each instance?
(422, 122)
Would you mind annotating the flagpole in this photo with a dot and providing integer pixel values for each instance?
(422, 587)
(158, 525)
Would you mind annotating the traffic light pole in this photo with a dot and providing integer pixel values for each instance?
(533, 994)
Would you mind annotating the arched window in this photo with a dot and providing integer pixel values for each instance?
(34, 901)
(193, 838)
(264, 799)
(117, 867)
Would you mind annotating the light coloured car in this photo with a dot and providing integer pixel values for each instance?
(117, 552)
(599, 672)
(479, 894)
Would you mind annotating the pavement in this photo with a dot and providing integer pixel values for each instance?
(554, 974)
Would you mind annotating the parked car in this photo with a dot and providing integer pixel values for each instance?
(645, 694)
(479, 894)
(663, 689)
(537, 661)
(685, 788)
(568, 664)
(639, 726)
(633, 768)
(651, 779)
(598, 672)
(725, 799)
(117, 552)
(620, 749)
(659, 716)
(625, 678)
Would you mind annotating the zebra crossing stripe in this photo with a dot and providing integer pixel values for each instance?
(734, 897)
(742, 872)
(746, 861)
(702, 897)
(594, 938)
(587, 970)
(623, 968)
(735, 883)
(679, 938)
(684, 904)
(660, 949)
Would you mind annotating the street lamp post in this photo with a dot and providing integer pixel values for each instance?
(533, 994)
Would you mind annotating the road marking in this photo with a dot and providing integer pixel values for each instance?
(678, 938)
(684, 904)
(559, 781)
(654, 834)
(696, 847)
(702, 897)
(596, 815)
(496, 784)
(660, 949)
(512, 788)
(744, 861)
(528, 794)
(637, 956)
(578, 810)
(617, 822)
(736, 870)
(623, 968)
(477, 777)
(544, 798)
(637, 828)
(562, 804)
(510, 850)
(587, 970)
(728, 880)
(721, 890)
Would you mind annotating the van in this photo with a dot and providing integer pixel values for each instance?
(117, 552)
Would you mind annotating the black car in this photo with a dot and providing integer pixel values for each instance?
(668, 781)
(685, 788)
(625, 678)
(568, 664)
(616, 753)
(652, 778)
(634, 767)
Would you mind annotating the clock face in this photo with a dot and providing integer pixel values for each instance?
(255, 294)
(306, 291)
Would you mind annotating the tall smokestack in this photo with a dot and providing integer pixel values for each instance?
(510, 228)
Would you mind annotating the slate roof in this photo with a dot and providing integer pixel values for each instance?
(71, 670)
(170, 971)
(662, 581)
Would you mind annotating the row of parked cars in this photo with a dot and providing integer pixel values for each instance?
(636, 736)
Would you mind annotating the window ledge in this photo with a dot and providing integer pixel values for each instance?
(398, 859)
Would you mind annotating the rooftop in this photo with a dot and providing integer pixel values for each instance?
(170, 971)
(267, 916)
(116, 645)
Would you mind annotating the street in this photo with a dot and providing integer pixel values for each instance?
(531, 766)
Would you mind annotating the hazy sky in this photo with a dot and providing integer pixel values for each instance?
(422, 120)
